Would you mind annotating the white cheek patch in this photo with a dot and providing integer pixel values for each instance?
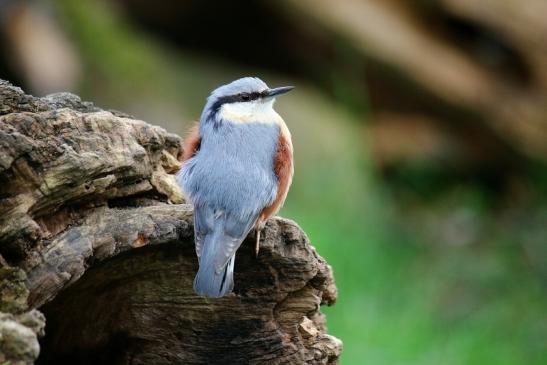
(257, 111)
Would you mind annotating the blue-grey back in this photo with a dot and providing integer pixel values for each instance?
(233, 169)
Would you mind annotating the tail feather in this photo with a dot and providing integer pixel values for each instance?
(208, 281)
(218, 236)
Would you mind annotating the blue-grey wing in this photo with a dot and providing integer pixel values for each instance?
(218, 234)
(203, 223)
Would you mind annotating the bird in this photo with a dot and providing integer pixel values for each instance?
(237, 167)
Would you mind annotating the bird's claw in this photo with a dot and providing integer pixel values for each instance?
(257, 245)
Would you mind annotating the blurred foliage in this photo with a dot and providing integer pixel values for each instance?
(450, 277)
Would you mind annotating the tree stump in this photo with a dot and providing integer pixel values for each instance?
(96, 241)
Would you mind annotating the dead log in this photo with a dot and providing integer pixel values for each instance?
(94, 234)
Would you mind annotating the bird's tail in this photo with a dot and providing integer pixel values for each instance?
(208, 281)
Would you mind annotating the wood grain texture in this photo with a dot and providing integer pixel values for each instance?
(89, 234)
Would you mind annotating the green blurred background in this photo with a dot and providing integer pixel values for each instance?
(420, 134)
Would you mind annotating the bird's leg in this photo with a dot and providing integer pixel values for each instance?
(259, 226)
(257, 246)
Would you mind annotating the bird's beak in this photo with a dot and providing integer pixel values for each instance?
(278, 91)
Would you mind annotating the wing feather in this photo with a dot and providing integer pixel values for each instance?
(224, 232)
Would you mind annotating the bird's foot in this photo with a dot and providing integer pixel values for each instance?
(257, 245)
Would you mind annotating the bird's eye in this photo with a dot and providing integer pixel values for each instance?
(245, 97)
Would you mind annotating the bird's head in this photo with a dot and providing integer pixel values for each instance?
(248, 99)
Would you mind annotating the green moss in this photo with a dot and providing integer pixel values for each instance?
(13, 291)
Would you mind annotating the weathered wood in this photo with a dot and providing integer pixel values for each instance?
(89, 235)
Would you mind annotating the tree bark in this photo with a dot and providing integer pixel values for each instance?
(95, 235)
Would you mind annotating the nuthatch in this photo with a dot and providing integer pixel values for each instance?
(237, 169)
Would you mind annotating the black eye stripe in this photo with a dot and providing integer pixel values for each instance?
(249, 97)
(236, 98)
